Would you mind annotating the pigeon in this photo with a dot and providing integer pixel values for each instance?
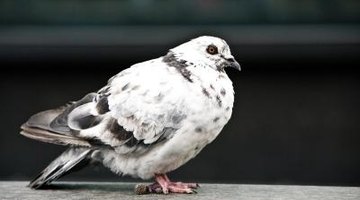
(149, 119)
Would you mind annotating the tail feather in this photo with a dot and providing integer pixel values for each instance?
(61, 166)
(51, 126)
(52, 137)
(42, 120)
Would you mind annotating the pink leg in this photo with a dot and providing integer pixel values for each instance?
(163, 181)
(164, 185)
(174, 187)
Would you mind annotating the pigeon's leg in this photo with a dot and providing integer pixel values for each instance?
(190, 185)
(174, 187)
(164, 185)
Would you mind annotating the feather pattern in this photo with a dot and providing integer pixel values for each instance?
(150, 118)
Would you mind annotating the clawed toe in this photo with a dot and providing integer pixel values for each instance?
(164, 186)
(190, 185)
(182, 190)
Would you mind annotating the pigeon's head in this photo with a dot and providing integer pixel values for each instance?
(208, 51)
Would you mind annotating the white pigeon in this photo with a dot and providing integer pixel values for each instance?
(148, 120)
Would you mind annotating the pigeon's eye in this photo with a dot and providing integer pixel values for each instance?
(212, 49)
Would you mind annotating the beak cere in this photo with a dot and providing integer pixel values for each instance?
(233, 63)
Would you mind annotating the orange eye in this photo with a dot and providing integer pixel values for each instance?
(212, 49)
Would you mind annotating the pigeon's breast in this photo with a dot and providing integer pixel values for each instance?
(212, 105)
(207, 113)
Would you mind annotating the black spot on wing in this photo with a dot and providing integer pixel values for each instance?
(121, 134)
(101, 99)
(216, 119)
(198, 129)
(223, 92)
(126, 86)
(205, 92)
(129, 139)
(118, 131)
(177, 118)
(219, 101)
(102, 105)
(181, 65)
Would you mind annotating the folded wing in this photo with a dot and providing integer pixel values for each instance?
(134, 109)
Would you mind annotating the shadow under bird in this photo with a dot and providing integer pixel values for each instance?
(148, 120)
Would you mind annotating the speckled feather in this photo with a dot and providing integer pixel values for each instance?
(152, 117)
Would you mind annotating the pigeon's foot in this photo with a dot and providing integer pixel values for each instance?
(174, 187)
(165, 186)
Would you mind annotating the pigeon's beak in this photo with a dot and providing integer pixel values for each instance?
(233, 63)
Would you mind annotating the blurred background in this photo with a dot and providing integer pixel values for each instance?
(296, 118)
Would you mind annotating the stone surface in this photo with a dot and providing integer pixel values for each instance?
(124, 191)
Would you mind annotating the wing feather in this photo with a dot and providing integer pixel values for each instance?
(134, 109)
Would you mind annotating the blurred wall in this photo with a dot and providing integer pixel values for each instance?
(296, 118)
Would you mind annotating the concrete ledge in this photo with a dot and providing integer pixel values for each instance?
(113, 190)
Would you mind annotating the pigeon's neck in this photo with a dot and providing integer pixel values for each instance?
(180, 65)
(173, 61)
(176, 60)
(190, 70)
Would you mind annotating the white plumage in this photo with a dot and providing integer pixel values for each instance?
(151, 118)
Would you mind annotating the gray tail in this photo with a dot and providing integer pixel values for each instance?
(72, 159)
